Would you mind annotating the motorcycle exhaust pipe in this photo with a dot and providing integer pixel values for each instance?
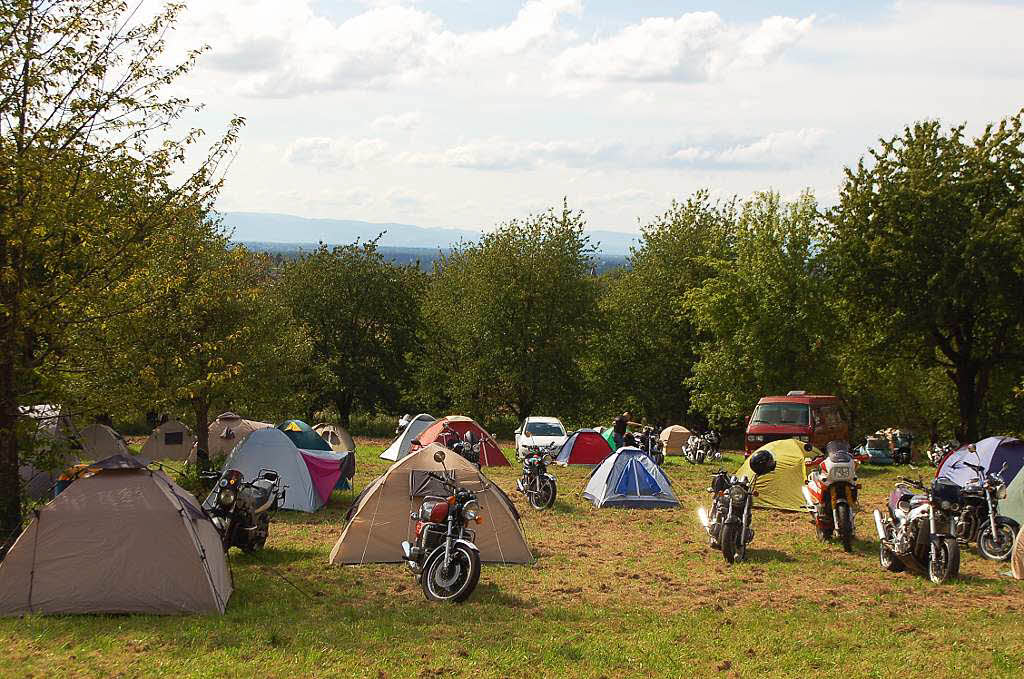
(878, 525)
(807, 498)
(702, 515)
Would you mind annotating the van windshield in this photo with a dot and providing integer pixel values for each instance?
(781, 413)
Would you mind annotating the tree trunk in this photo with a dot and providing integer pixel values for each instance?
(344, 405)
(968, 401)
(10, 482)
(201, 410)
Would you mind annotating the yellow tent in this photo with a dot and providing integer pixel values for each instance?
(781, 488)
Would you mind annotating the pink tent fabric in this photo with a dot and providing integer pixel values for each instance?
(323, 472)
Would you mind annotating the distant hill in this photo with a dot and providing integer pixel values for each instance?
(268, 227)
(424, 257)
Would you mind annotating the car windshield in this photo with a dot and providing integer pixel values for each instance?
(544, 429)
(781, 413)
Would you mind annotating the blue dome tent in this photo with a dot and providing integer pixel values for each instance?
(629, 479)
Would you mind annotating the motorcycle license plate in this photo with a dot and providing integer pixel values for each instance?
(841, 472)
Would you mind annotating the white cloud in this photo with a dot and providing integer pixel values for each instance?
(284, 49)
(399, 121)
(775, 149)
(327, 153)
(694, 47)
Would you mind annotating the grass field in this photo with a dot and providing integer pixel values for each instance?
(612, 593)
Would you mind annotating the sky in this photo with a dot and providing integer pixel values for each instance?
(468, 113)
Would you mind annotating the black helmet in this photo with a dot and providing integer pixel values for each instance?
(762, 463)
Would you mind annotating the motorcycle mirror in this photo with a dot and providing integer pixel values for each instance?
(972, 448)
(527, 434)
(439, 457)
(416, 442)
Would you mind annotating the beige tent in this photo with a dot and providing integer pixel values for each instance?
(100, 441)
(337, 438)
(673, 439)
(379, 520)
(1017, 557)
(172, 440)
(126, 540)
(228, 429)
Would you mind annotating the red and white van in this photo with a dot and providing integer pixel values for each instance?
(812, 418)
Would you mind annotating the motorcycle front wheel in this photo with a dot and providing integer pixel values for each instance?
(455, 583)
(845, 527)
(544, 495)
(944, 560)
(733, 547)
(998, 546)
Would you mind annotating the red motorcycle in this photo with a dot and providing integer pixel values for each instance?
(831, 493)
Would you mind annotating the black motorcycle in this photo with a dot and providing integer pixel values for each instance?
(537, 484)
(979, 520)
(647, 440)
(701, 447)
(443, 555)
(919, 531)
(240, 509)
(469, 446)
(732, 506)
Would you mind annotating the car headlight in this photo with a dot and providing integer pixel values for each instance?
(226, 497)
(737, 493)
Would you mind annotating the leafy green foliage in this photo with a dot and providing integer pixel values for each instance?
(88, 182)
(927, 243)
(362, 313)
(763, 315)
(644, 354)
(507, 321)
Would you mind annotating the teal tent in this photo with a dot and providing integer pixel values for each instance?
(303, 436)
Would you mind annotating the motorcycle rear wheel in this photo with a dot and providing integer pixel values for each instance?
(887, 559)
(987, 541)
(944, 560)
(544, 496)
(845, 527)
(733, 547)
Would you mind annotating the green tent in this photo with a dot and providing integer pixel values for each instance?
(609, 436)
(781, 489)
(303, 436)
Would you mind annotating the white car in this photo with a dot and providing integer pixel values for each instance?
(546, 432)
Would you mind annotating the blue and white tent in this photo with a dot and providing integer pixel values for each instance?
(629, 479)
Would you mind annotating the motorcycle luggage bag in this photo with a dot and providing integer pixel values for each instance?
(719, 483)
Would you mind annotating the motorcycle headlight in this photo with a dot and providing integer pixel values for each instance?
(737, 493)
(945, 505)
(471, 511)
(1001, 491)
(226, 497)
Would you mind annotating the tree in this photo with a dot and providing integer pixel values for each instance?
(507, 321)
(86, 182)
(361, 312)
(927, 244)
(217, 335)
(647, 346)
(763, 316)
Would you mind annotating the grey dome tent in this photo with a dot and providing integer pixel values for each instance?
(172, 440)
(310, 475)
(100, 441)
(629, 479)
(399, 448)
(125, 539)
